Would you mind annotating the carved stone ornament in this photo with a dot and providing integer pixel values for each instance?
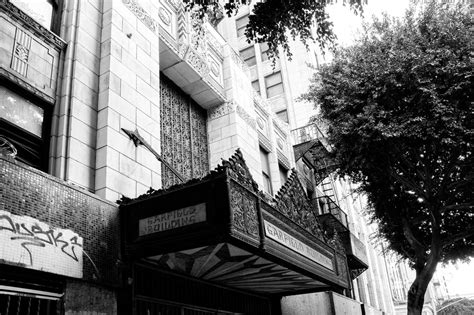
(31, 25)
(142, 15)
(246, 117)
(5, 74)
(292, 201)
(222, 110)
(164, 15)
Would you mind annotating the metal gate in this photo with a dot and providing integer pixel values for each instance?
(26, 304)
(156, 307)
(183, 134)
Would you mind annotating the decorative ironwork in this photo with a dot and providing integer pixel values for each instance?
(183, 134)
(238, 170)
(6, 148)
(292, 201)
(244, 210)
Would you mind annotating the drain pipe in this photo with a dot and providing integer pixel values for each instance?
(59, 166)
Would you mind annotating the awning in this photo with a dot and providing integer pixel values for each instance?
(223, 230)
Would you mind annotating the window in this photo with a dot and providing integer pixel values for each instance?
(43, 11)
(274, 84)
(267, 183)
(256, 86)
(25, 125)
(283, 115)
(283, 174)
(248, 54)
(240, 25)
(264, 51)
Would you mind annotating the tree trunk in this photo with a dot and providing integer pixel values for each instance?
(416, 294)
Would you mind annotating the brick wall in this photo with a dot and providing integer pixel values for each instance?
(26, 191)
(86, 299)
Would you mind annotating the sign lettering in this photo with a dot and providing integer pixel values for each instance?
(172, 220)
(296, 245)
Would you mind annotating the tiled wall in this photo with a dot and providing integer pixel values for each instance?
(25, 191)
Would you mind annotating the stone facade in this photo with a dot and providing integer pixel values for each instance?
(96, 76)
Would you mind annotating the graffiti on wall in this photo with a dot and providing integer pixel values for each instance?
(33, 244)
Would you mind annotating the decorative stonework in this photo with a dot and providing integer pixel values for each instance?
(222, 110)
(265, 142)
(21, 52)
(164, 15)
(244, 210)
(196, 61)
(246, 117)
(30, 24)
(142, 15)
(292, 201)
(261, 104)
(239, 61)
(4, 73)
(283, 159)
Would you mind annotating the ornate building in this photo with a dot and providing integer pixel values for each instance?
(223, 207)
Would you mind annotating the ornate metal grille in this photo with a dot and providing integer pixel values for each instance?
(183, 134)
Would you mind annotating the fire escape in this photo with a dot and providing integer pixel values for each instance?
(311, 146)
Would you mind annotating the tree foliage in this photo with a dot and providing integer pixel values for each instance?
(277, 21)
(399, 109)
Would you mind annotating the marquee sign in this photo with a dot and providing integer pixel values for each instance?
(172, 220)
(296, 245)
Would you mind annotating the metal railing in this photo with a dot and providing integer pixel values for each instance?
(308, 133)
(326, 205)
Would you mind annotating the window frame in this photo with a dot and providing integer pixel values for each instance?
(267, 87)
(240, 29)
(55, 23)
(32, 149)
(256, 83)
(250, 57)
(267, 178)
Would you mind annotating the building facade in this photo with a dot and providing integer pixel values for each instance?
(138, 102)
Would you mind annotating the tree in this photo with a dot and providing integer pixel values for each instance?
(276, 21)
(398, 105)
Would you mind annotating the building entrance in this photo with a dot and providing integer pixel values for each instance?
(28, 302)
(157, 292)
(157, 307)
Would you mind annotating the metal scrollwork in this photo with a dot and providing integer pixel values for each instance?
(183, 134)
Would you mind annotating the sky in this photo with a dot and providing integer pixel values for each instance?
(459, 278)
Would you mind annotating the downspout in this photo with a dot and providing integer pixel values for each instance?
(59, 161)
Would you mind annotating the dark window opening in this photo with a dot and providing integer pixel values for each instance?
(274, 84)
(25, 123)
(267, 182)
(241, 24)
(248, 54)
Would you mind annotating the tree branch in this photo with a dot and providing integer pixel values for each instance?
(408, 184)
(457, 237)
(457, 207)
(414, 243)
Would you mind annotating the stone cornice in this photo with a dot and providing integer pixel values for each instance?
(31, 25)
